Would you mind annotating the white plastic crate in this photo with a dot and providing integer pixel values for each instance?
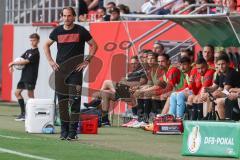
(39, 115)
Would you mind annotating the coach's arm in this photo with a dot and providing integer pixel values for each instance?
(47, 52)
(92, 51)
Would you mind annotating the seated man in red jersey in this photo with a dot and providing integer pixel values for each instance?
(179, 97)
(154, 73)
(204, 78)
(183, 53)
(168, 80)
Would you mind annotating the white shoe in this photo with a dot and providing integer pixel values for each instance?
(133, 124)
(138, 125)
(129, 123)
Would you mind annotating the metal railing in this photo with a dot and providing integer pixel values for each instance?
(30, 11)
(194, 9)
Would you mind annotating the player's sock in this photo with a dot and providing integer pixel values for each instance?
(22, 106)
(200, 111)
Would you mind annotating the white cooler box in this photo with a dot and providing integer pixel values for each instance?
(39, 116)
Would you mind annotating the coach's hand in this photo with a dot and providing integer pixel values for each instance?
(54, 65)
(82, 66)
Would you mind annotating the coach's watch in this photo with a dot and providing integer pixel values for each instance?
(88, 58)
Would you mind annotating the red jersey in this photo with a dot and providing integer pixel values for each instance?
(203, 81)
(211, 64)
(172, 78)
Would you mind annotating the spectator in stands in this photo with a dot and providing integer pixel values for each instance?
(123, 9)
(102, 14)
(181, 4)
(108, 89)
(205, 10)
(158, 47)
(218, 9)
(82, 11)
(232, 5)
(92, 4)
(110, 5)
(115, 14)
(148, 6)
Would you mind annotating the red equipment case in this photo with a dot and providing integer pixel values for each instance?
(167, 124)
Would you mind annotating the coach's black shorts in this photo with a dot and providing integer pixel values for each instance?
(24, 85)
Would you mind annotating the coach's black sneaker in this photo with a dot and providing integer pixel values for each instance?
(93, 103)
(106, 124)
(64, 130)
(62, 137)
(72, 138)
(21, 117)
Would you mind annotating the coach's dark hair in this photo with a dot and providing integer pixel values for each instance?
(223, 57)
(35, 35)
(70, 9)
(201, 61)
(166, 56)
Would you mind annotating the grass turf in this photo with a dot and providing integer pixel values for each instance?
(114, 143)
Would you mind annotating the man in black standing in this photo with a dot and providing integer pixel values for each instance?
(68, 68)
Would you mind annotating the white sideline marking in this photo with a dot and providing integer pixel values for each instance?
(11, 137)
(23, 154)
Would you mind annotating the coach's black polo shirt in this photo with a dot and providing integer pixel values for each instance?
(70, 43)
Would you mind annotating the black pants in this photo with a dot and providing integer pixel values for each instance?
(69, 99)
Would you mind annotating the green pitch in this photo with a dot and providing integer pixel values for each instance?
(113, 143)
